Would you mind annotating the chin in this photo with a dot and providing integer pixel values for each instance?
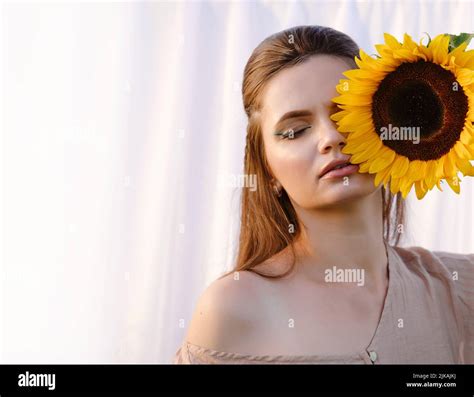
(335, 192)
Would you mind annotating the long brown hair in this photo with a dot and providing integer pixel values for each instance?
(269, 223)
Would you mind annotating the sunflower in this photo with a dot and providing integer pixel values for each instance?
(408, 113)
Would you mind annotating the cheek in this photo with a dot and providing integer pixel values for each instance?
(292, 165)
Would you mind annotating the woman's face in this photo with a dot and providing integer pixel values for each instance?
(297, 160)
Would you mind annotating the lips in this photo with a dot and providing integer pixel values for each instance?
(334, 164)
(341, 172)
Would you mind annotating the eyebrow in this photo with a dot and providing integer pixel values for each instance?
(300, 113)
(293, 114)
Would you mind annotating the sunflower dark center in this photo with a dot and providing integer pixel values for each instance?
(419, 110)
(415, 104)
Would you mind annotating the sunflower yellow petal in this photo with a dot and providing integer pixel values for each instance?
(465, 77)
(465, 59)
(454, 184)
(405, 55)
(391, 41)
(458, 52)
(362, 132)
(364, 155)
(368, 63)
(339, 115)
(469, 127)
(461, 151)
(364, 167)
(470, 149)
(406, 190)
(467, 138)
(360, 74)
(412, 168)
(355, 100)
(386, 179)
(354, 119)
(356, 145)
(418, 171)
(420, 191)
(378, 164)
(449, 167)
(439, 48)
(408, 42)
(421, 53)
(430, 173)
(400, 166)
(384, 50)
(367, 126)
(439, 168)
(464, 166)
(381, 175)
(470, 172)
(363, 88)
(405, 186)
(395, 185)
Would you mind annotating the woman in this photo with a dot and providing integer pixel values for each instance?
(319, 276)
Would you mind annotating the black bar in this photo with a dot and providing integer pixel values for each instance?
(245, 379)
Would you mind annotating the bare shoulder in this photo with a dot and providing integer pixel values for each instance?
(227, 312)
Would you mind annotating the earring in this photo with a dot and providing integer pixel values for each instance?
(277, 190)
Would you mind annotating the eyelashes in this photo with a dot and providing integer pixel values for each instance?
(292, 134)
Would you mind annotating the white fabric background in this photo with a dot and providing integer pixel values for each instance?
(122, 128)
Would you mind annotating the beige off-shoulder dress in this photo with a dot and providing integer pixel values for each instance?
(431, 291)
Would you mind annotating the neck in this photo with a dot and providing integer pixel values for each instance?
(348, 236)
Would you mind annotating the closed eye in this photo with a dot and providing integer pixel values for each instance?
(292, 134)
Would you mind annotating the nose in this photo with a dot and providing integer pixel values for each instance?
(330, 138)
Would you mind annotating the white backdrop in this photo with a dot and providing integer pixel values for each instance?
(122, 127)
